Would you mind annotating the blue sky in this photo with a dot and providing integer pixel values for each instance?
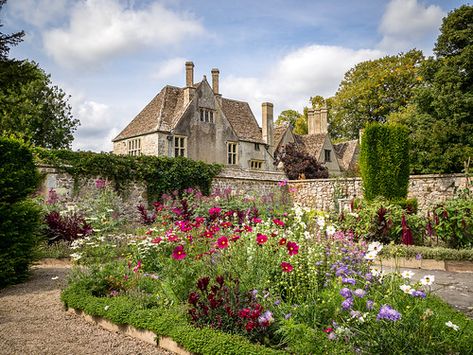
(113, 56)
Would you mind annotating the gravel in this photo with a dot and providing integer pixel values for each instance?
(33, 321)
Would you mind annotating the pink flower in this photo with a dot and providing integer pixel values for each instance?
(178, 253)
(173, 238)
(157, 240)
(278, 222)
(100, 183)
(222, 242)
(248, 229)
(215, 211)
(292, 248)
(256, 220)
(282, 183)
(261, 238)
(286, 267)
(282, 241)
(137, 267)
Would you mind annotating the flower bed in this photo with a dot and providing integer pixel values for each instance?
(229, 275)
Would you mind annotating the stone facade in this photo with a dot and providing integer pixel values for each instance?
(325, 194)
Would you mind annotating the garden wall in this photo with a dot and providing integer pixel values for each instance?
(321, 193)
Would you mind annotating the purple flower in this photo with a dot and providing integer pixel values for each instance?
(347, 304)
(359, 293)
(369, 305)
(419, 293)
(348, 280)
(418, 256)
(369, 276)
(388, 313)
(277, 302)
(287, 316)
(345, 292)
(355, 314)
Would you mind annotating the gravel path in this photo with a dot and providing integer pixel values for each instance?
(33, 321)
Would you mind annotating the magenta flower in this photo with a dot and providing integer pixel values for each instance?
(282, 183)
(215, 211)
(222, 242)
(286, 267)
(261, 238)
(179, 253)
(100, 183)
(292, 248)
(278, 222)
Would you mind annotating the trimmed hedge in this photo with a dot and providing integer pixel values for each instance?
(384, 161)
(161, 174)
(437, 253)
(167, 322)
(19, 216)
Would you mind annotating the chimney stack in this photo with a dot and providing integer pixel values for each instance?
(215, 75)
(310, 121)
(189, 74)
(267, 111)
(324, 119)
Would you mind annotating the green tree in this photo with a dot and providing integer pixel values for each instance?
(288, 116)
(441, 117)
(373, 90)
(31, 107)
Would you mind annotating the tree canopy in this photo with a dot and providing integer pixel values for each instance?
(31, 107)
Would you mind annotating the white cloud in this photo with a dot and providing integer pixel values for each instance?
(305, 72)
(169, 68)
(38, 12)
(408, 23)
(101, 29)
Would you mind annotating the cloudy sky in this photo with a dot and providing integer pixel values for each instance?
(114, 56)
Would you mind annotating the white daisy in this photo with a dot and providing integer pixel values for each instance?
(330, 230)
(371, 255)
(407, 274)
(427, 280)
(406, 288)
(451, 325)
(375, 246)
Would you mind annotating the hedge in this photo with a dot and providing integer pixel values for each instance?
(384, 161)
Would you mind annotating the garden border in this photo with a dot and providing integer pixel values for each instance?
(141, 334)
(429, 264)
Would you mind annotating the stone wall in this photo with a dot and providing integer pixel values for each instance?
(323, 194)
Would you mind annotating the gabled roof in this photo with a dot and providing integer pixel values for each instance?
(242, 120)
(164, 111)
(312, 143)
(346, 153)
(278, 133)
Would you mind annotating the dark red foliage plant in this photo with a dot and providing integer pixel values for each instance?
(66, 227)
(300, 165)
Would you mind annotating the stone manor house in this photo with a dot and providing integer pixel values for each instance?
(198, 123)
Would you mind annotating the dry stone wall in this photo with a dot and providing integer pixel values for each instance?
(323, 194)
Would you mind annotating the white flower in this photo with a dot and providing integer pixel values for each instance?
(451, 325)
(377, 272)
(407, 274)
(76, 256)
(321, 221)
(371, 255)
(106, 307)
(307, 235)
(330, 230)
(54, 277)
(375, 246)
(427, 280)
(406, 288)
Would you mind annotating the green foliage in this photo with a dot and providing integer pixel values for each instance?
(18, 174)
(19, 217)
(384, 161)
(436, 253)
(373, 90)
(161, 174)
(8, 40)
(440, 118)
(168, 322)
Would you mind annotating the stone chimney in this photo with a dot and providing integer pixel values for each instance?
(267, 110)
(324, 119)
(189, 89)
(215, 75)
(310, 121)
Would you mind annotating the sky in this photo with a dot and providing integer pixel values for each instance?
(114, 56)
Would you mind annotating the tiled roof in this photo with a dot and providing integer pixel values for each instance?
(278, 133)
(242, 120)
(346, 152)
(165, 109)
(312, 143)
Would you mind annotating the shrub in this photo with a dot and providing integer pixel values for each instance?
(19, 216)
(384, 161)
(298, 164)
(66, 227)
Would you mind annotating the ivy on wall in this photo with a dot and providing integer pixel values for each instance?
(160, 174)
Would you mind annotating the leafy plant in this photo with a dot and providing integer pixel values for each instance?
(298, 164)
(66, 227)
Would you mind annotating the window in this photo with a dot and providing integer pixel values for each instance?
(256, 164)
(179, 146)
(134, 147)
(232, 153)
(328, 155)
(206, 115)
(256, 146)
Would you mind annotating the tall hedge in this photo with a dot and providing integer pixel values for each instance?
(19, 216)
(384, 161)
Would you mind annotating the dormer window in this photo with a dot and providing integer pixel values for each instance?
(328, 155)
(207, 115)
